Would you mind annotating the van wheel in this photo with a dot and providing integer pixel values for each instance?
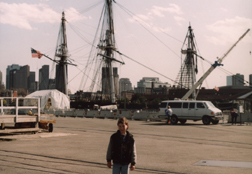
(174, 120)
(182, 121)
(215, 121)
(206, 120)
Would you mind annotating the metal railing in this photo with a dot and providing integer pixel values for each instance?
(16, 106)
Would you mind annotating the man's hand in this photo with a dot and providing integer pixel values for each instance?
(132, 167)
(109, 164)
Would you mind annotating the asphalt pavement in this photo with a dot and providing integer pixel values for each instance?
(79, 145)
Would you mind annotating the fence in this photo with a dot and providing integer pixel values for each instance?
(136, 115)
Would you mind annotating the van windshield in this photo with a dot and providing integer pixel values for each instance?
(210, 104)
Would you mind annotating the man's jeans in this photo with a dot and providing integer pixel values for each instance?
(120, 169)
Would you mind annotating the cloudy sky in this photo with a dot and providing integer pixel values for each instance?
(151, 32)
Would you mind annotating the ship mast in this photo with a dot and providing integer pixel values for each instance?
(107, 47)
(103, 66)
(62, 52)
(187, 75)
(110, 45)
(61, 79)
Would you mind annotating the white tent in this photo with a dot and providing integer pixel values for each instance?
(58, 99)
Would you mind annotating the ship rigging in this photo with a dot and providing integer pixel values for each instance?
(102, 57)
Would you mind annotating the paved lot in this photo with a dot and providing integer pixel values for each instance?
(78, 145)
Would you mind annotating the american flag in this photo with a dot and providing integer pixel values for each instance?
(36, 53)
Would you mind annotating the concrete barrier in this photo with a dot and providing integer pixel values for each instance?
(141, 115)
(92, 113)
(59, 113)
(153, 116)
(49, 111)
(122, 113)
(69, 113)
(105, 114)
(80, 113)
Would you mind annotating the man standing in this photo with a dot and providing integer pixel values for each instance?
(168, 113)
(234, 116)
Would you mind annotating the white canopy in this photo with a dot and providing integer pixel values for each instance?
(58, 99)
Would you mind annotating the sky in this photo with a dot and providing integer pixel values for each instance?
(150, 32)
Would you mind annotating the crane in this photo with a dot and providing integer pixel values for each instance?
(213, 66)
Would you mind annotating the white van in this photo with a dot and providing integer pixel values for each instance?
(183, 110)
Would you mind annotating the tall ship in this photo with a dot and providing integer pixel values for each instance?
(100, 76)
(100, 65)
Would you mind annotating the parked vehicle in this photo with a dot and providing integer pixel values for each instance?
(183, 110)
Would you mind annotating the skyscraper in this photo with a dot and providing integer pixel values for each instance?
(18, 78)
(229, 80)
(21, 77)
(44, 77)
(105, 82)
(125, 84)
(1, 78)
(31, 82)
(116, 81)
(8, 78)
(235, 80)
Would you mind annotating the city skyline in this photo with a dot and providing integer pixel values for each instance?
(217, 26)
(122, 84)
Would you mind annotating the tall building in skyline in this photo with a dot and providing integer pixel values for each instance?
(147, 85)
(1, 78)
(52, 84)
(18, 78)
(116, 81)
(147, 82)
(105, 82)
(125, 85)
(44, 77)
(229, 80)
(8, 70)
(235, 80)
(32, 83)
(22, 76)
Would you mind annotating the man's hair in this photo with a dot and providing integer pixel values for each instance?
(123, 121)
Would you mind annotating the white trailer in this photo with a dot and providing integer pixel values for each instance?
(19, 116)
